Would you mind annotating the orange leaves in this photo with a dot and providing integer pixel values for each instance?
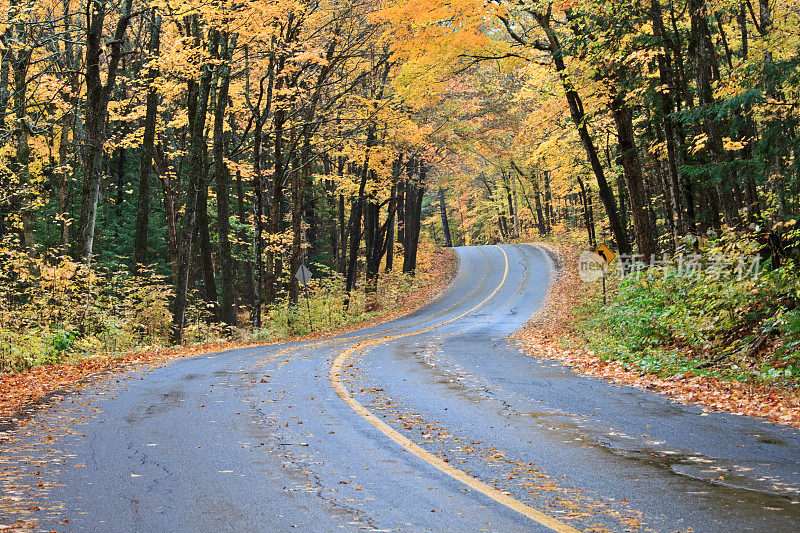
(433, 38)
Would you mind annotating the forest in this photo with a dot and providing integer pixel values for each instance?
(167, 167)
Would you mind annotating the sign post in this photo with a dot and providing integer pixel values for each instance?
(303, 274)
(604, 287)
(606, 255)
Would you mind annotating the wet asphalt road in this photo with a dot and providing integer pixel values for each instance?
(258, 440)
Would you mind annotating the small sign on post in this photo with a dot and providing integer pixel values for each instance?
(303, 275)
(606, 255)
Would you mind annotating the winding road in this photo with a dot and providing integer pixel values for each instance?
(432, 422)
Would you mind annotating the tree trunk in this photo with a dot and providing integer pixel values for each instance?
(97, 98)
(748, 131)
(222, 177)
(537, 198)
(63, 177)
(198, 109)
(355, 219)
(241, 235)
(414, 193)
(501, 220)
(342, 259)
(401, 211)
(579, 118)
(260, 118)
(701, 51)
(390, 230)
(301, 181)
(527, 202)
(548, 201)
(148, 148)
(171, 215)
(258, 226)
(280, 171)
(27, 198)
(587, 219)
(298, 186)
(372, 244)
(622, 197)
(448, 242)
(394, 210)
(206, 258)
(122, 161)
(541, 220)
(632, 167)
(6, 55)
(592, 231)
(512, 213)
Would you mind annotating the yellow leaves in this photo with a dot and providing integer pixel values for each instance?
(730, 144)
(635, 95)
(699, 143)
(7, 151)
(278, 242)
(286, 93)
(432, 40)
(658, 149)
(569, 505)
(641, 58)
(178, 120)
(61, 272)
(243, 169)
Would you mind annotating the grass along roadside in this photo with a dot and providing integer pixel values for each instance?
(21, 389)
(628, 341)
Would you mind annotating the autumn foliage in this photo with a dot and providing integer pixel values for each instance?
(167, 166)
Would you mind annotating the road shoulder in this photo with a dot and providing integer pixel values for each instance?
(552, 333)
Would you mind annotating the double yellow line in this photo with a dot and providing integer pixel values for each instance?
(416, 449)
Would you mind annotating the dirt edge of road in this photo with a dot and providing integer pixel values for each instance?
(23, 394)
(550, 334)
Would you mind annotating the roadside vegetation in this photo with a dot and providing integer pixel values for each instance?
(744, 362)
(717, 319)
(55, 310)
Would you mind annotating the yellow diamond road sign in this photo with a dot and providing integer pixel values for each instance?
(605, 254)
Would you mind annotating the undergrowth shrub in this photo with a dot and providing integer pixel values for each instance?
(321, 305)
(53, 309)
(745, 325)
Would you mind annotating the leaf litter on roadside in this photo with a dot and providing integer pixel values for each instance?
(551, 334)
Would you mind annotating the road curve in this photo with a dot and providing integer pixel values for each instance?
(466, 434)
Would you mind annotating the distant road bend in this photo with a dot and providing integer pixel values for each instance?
(432, 422)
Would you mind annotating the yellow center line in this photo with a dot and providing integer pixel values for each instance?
(419, 451)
